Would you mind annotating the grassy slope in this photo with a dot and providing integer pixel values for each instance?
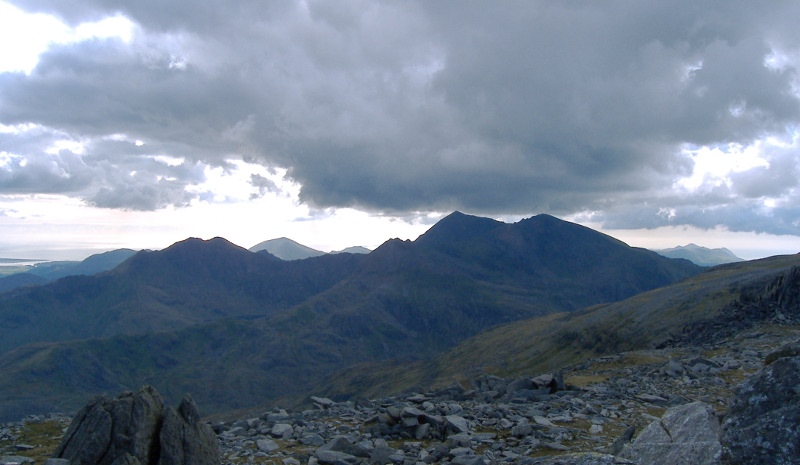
(552, 342)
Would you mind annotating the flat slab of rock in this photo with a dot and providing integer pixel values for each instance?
(685, 435)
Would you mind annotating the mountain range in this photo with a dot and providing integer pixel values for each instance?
(237, 328)
(702, 256)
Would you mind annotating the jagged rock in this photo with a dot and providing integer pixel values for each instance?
(687, 434)
(136, 428)
(762, 422)
(322, 402)
(456, 424)
(618, 445)
(184, 439)
(789, 350)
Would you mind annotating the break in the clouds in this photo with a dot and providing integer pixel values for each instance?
(602, 109)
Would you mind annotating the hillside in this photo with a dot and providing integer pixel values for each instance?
(716, 304)
(249, 327)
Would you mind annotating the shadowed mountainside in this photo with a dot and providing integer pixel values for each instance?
(191, 282)
(715, 304)
(404, 301)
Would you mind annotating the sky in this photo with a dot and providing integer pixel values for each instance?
(139, 124)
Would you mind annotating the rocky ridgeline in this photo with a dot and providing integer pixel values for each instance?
(714, 405)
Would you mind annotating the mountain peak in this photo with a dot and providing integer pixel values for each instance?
(456, 227)
(700, 255)
(286, 249)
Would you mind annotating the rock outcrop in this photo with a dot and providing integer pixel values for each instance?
(685, 435)
(762, 423)
(137, 429)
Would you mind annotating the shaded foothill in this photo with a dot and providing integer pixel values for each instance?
(137, 429)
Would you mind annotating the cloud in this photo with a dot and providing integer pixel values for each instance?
(263, 185)
(401, 107)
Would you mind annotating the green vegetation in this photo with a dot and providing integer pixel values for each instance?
(42, 435)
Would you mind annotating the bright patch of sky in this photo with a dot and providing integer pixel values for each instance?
(25, 36)
(713, 165)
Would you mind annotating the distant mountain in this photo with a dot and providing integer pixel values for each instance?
(702, 256)
(236, 328)
(286, 249)
(354, 249)
(42, 273)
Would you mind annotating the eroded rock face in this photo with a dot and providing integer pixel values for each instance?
(687, 434)
(762, 423)
(136, 428)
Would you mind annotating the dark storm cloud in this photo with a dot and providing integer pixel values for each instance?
(394, 107)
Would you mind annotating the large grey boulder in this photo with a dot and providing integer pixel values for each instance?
(136, 428)
(763, 421)
(685, 435)
(184, 439)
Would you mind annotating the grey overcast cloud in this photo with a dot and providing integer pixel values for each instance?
(152, 121)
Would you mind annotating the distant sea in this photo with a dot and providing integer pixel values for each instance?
(20, 261)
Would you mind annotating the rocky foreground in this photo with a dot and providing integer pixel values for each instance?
(669, 406)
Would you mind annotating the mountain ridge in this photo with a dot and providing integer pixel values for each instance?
(191, 282)
(271, 327)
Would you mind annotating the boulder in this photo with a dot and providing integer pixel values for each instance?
(685, 435)
(282, 430)
(761, 425)
(14, 459)
(789, 350)
(344, 445)
(136, 428)
(267, 445)
(456, 424)
(184, 439)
